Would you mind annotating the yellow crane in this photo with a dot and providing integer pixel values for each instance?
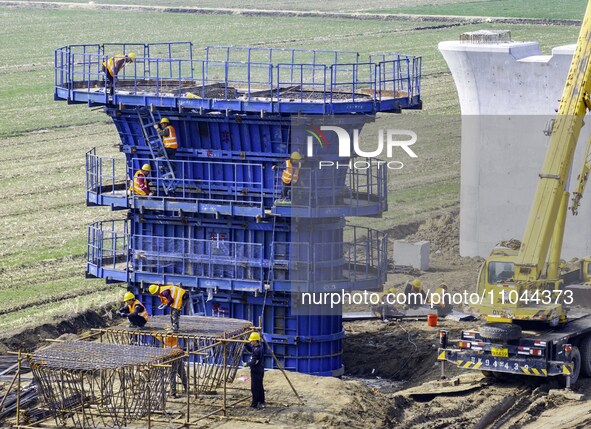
(522, 282)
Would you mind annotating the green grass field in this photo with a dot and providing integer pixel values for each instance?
(42, 142)
(545, 9)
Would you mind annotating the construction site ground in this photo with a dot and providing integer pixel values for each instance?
(44, 216)
(391, 376)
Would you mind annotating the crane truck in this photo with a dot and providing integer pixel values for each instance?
(525, 301)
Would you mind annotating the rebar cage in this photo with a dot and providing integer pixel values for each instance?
(89, 384)
(212, 346)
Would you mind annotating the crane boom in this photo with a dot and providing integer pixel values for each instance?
(557, 164)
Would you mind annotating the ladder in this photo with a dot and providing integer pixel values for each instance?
(154, 142)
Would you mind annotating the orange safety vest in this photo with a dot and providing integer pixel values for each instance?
(291, 173)
(176, 293)
(170, 141)
(115, 64)
(144, 313)
(170, 342)
(140, 184)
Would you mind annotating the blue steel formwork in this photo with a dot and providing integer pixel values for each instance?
(214, 227)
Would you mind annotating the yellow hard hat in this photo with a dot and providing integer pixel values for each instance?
(128, 296)
(416, 283)
(146, 167)
(131, 55)
(255, 336)
(392, 290)
(443, 285)
(153, 289)
(296, 156)
(164, 121)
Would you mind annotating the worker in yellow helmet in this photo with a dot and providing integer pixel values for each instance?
(442, 303)
(134, 310)
(113, 65)
(168, 135)
(415, 295)
(290, 175)
(257, 370)
(140, 184)
(171, 296)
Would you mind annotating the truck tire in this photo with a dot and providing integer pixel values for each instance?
(586, 356)
(500, 331)
(576, 358)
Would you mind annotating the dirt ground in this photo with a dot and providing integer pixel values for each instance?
(383, 360)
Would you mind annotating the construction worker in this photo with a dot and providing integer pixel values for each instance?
(168, 135)
(140, 184)
(171, 296)
(290, 174)
(442, 302)
(257, 370)
(113, 66)
(415, 295)
(178, 367)
(133, 309)
(387, 306)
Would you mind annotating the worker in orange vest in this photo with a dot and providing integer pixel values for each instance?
(168, 135)
(178, 366)
(113, 65)
(134, 310)
(290, 174)
(140, 184)
(171, 296)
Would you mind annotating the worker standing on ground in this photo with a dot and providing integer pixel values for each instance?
(168, 135)
(290, 174)
(113, 66)
(257, 370)
(134, 310)
(178, 367)
(415, 295)
(174, 297)
(140, 184)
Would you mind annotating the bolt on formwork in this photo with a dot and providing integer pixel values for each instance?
(89, 384)
(212, 346)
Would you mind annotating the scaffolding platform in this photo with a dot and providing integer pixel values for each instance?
(220, 78)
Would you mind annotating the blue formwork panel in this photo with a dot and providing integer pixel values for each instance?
(216, 228)
(302, 342)
(238, 250)
(211, 135)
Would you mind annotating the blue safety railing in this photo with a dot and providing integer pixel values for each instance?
(241, 74)
(364, 258)
(108, 250)
(197, 258)
(114, 253)
(108, 181)
(242, 191)
(344, 191)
